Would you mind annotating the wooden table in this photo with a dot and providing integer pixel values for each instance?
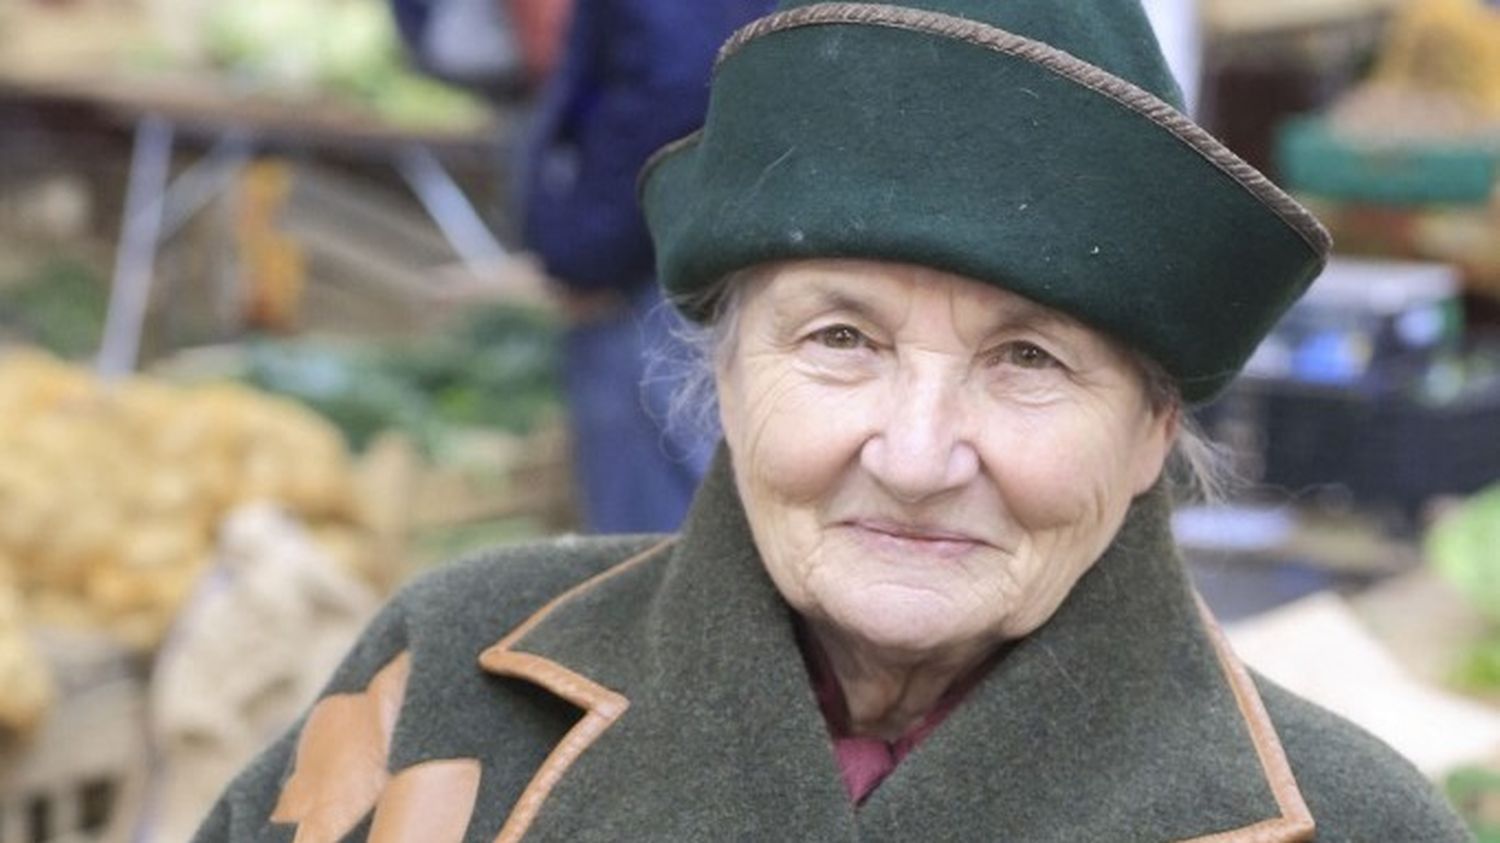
(236, 125)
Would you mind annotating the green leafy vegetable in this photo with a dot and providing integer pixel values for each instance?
(496, 370)
(60, 306)
(1464, 547)
(345, 47)
(1475, 792)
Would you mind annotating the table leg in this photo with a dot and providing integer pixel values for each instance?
(136, 255)
(454, 214)
(204, 180)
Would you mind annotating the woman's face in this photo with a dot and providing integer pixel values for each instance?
(928, 463)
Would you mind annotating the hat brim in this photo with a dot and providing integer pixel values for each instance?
(852, 140)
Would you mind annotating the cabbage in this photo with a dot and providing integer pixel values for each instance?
(345, 47)
(272, 42)
(1464, 547)
(359, 47)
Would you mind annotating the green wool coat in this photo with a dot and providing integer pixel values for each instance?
(652, 689)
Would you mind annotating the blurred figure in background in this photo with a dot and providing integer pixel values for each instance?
(539, 26)
(633, 76)
(501, 48)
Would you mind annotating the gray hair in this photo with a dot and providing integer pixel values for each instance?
(1197, 469)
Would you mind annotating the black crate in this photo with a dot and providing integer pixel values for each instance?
(1383, 450)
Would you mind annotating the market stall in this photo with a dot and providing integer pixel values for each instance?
(1361, 558)
(266, 352)
(263, 357)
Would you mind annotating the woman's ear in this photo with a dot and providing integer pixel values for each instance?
(726, 388)
(727, 401)
(1160, 434)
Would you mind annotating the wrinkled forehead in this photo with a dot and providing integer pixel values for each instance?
(892, 292)
(779, 297)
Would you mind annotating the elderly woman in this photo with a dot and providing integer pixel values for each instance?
(960, 264)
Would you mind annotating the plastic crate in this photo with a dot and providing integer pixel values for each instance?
(80, 779)
(1314, 160)
(1385, 450)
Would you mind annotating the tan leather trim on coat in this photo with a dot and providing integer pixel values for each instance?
(430, 802)
(1295, 824)
(340, 767)
(602, 706)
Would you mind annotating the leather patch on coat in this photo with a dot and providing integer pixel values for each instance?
(341, 761)
(1295, 825)
(430, 802)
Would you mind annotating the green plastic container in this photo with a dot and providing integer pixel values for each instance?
(1314, 161)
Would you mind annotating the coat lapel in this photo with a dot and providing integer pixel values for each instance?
(1116, 720)
(722, 738)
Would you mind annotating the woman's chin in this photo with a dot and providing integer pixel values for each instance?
(915, 625)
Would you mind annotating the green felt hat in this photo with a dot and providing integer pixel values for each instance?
(1033, 144)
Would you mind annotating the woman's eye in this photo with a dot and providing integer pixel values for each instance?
(840, 337)
(1024, 355)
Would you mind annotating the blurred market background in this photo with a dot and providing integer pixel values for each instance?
(269, 347)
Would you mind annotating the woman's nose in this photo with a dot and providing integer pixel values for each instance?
(922, 447)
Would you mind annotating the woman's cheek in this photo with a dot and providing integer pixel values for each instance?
(805, 434)
(1049, 474)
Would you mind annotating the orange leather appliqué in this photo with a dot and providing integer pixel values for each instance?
(430, 802)
(342, 756)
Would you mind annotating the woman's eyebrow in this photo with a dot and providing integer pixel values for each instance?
(1035, 316)
(821, 298)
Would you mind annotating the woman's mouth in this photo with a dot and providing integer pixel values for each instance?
(894, 537)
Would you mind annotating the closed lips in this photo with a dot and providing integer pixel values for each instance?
(909, 537)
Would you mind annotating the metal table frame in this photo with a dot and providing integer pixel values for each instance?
(157, 205)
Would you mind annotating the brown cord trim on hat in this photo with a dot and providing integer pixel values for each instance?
(1059, 62)
(656, 157)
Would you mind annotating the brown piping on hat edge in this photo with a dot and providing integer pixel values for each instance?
(656, 158)
(1059, 62)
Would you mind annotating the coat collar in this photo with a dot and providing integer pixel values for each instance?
(1123, 716)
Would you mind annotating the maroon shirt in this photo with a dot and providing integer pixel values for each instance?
(865, 762)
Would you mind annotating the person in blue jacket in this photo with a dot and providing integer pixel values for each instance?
(634, 76)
